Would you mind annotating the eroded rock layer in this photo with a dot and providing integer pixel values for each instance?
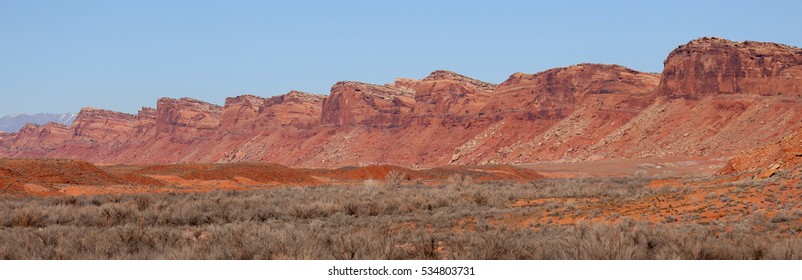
(714, 98)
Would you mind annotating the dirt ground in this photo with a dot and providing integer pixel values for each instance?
(48, 177)
(650, 167)
(679, 189)
(659, 202)
(53, 177)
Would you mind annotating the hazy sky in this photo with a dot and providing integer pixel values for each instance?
(60, 56)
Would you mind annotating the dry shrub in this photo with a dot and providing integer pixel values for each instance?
(363, 222)
(395, 178)
(29, 217)
(142, 202)
(459, 181)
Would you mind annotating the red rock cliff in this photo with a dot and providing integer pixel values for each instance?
(714, 98)
(710, 66)
(354, 103)
(186, 120)
(444, 93)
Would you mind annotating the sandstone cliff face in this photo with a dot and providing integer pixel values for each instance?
(715, 98)
(354, 103)
(244, 115)
(448, 94)
(36, 140)
(297, 109)
(710, 66)
(555, 91)
(241, 114)
(145, 124)
(558, 114)
(103, 126)
(186, 120)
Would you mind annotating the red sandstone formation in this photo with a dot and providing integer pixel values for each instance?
(448, 94)
(710, 66)
(354, 103)
(715, 98)
(50, 177)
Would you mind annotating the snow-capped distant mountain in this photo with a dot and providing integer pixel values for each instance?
(14, 122)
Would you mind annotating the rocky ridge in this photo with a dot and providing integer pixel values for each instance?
(714, 98)
(710, 66)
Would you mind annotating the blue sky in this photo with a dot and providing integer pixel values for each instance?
(59, 56)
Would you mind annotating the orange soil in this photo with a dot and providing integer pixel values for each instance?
(47, 177)
(380, 172)
(671, 167)
(702, 200)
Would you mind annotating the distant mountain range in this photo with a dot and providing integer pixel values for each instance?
(13, 123)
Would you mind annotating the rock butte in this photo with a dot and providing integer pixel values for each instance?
(714, 98)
